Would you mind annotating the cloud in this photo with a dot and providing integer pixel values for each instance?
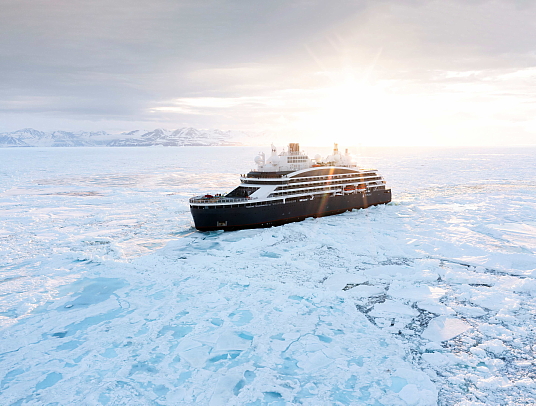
(247, 64)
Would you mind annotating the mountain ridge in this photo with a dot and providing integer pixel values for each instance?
(185, 136)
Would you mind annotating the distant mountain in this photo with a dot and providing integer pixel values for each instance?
(188, 136)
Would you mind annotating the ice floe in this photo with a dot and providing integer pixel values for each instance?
(108, 296)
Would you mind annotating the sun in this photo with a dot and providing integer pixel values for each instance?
(355, 113)
(350, 110)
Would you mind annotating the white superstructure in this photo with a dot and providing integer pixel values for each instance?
(295, 160)
(292, 174)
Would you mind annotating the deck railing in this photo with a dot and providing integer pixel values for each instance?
(218, 199)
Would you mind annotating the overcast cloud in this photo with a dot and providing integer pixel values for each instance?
(438, 69)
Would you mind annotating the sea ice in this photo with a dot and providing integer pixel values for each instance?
(108, 296)
(444, 328)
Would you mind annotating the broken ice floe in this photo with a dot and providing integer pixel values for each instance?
(110, 297)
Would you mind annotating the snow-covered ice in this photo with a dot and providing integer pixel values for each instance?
(108, 296)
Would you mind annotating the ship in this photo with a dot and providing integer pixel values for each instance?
(289, 187)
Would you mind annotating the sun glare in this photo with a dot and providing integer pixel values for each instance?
(350, 110)
(354, 113)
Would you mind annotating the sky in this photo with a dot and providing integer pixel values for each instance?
(383, 72)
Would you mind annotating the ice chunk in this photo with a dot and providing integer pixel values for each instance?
(495, 346)
(389, 271)
(444, 328)
(231, 340)
(526, 382)
(339, 281)
(366, 291)
(314, 361)
(241, 317)
(416, 292)
(436, 359)
(496, 331)
(224, 388)
(435, 307)
(470, 311)
(410, 394)
(397, 383)
(197, 356)
(392, 309)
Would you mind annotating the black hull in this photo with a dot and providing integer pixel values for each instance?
(236, 218)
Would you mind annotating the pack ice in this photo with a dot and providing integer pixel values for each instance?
(108, 296)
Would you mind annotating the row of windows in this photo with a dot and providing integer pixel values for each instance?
(234, 206)
(269, 182)
(296, 159)
(329, 177)
(352, 177)
(323, 189)
(326, 190)
(336, 182)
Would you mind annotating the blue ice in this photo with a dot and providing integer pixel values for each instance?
(397, 383)
(51, 379)
(226, 356)
(249, 376)
(295, 297)
(144, 367)
(350, 383)
(271, 396)
(278, 337)
(10, 376)
(158, 295)
(344, 397)
(69, 345)
(246, 336)
(160, 390)
(104, 399)
(91, 321)
(268, 254)
(288, 367)
(109, 353)
(179, 331)
(238, 387)
(183, 377)
(365, 393)
(95, 290)
(356, 361)
(241, 317)
(181, 314)
(80, 357)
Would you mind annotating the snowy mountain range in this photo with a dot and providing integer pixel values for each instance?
(188, 136)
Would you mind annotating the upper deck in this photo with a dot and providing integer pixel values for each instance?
(293, 173)
(294, 160)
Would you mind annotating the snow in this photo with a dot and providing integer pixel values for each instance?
(108, 296)
(29, 137)
(444, 328)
